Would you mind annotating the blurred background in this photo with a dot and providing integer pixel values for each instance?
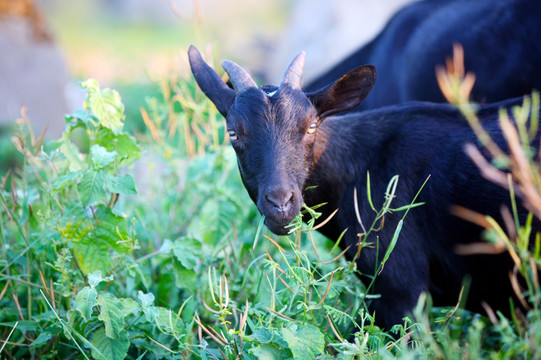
(48, 46)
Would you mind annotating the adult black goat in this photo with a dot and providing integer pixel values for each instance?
(287, 141)
(499, 37)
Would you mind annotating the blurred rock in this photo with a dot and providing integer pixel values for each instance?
(328, 31)
(32, 69)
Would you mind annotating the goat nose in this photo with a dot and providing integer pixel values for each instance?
(280, 198)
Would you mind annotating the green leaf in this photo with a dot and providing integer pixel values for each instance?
(306, 343)
(263, 335)
(185, 278)
(408, 207)
(94, 241)
(93, 256)
(22, 325)
(42, 338)
(96, 237)
(96, 278)
(101, 157)
(111, 314)
(91, 187)
(112, 229)
(392, 244)
(91, 84)
(105, 104)
(123, 184)
(188, 251)
(142, 356)
(147, 301)
(269, 352)
(369, 192)
(110, 349)
(85, 301)
(125, 146)
(169, 322)
(79, 117)
(130, 306)
(73, 155)
(66, 180)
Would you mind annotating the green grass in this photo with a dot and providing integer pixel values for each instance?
(149, 247)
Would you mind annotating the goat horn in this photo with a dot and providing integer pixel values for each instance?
(240, 79)
(293, 74)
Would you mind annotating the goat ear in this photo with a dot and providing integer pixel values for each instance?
(345, 93)
(210, 82)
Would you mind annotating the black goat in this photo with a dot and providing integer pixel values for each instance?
(286, 141)
(500, 40)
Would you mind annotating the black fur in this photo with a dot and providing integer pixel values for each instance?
(500, 40)
(279, 157)
(415, 141)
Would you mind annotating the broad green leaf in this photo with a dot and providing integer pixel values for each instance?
(93, 256)
(111, 314)
(123, 184)
(105, 104)
(101, 157)
(90, 84)
(269, 352)
(91, 187)
(125, 146)
(147, 301)
(85, 301)
(73, 155)
(79, 117)
(110, 349)
(166, 247)
(22, 325)
(137, 270)
(112, 229)
(96, 241)
(42, 338)
(96, 278)
(306, 343)
(66, 180)
(74, 223)
(91, 328)
(263, 335)
(130, 306)
(185, 278)
(95, 237)
(188, 251)
(169, 322)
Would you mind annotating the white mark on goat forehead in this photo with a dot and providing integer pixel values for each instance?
(271, 93)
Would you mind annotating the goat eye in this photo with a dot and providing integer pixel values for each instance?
(312, 129)
(232, 135)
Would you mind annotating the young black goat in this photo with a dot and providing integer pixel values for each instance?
(286, 141)
(499, 37)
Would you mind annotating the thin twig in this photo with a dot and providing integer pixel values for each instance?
(281, 315)
(337, 257)
(324, 221)
(10, 333)
(326, 291)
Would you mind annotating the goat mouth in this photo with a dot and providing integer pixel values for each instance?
(278, 226)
